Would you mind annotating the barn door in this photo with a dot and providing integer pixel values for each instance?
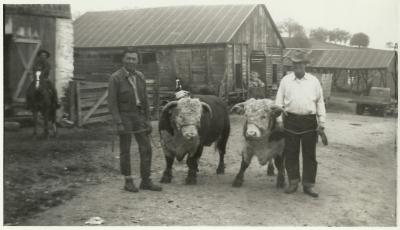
(258, 63)
(27, 50)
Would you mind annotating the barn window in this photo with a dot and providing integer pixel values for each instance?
(148, 58)
(238, 76)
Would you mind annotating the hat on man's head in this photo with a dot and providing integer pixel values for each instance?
(300, 56)
(43, 51)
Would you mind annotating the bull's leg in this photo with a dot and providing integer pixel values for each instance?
(270, 169)
(167, 175)
(240, 176)
(192, 163)
(279, 162)
(221, 146)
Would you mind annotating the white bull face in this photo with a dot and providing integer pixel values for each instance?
(260, 117)
(188, 117)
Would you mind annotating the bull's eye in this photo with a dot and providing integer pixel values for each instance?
(263, 117)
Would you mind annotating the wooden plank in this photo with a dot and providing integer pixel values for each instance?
(101, 110)
(86, 95)
(25, 74)
(72, 104)
(104, 118)
(78, 104)
(93, 85)
(95, 106)
(87, 102)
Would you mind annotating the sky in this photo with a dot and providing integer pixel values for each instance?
(379, 19)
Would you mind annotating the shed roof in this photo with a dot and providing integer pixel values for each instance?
(349, 58)
(177, 25)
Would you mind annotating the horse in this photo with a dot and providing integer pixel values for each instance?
(40, 98)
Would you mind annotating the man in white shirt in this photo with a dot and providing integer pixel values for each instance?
(300, 95)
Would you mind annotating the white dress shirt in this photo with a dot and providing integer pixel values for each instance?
(301, 96)
(132, 81)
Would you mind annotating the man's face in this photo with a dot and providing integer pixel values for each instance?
(43, 56)
(299, 68)
(130, 60)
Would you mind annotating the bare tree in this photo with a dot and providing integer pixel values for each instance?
(291, 28)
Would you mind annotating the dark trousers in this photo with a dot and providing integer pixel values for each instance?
(133, 123)
(301, 123)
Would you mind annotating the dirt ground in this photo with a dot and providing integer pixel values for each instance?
(68, 180)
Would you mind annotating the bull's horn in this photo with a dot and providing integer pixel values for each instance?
(169, 105)
(238, 108)
(207, 107)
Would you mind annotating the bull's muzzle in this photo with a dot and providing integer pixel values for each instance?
(189, 132)
(252, 131)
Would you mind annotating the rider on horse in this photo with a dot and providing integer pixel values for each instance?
(42, 68)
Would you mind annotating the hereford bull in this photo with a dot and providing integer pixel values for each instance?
(189, 124)
(262, 137)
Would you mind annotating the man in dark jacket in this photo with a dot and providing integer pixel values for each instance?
(128, 104)
(41, 68)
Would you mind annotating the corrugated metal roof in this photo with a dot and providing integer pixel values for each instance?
(178, 25)
(349, 58)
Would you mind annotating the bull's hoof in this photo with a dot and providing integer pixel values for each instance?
(221, 169)
(166, 180)
(237, 183)
(191, 181)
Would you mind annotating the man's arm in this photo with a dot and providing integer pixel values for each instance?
(279, 100)
(112, 100)
(321, 112)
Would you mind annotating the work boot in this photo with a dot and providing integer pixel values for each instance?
(147, 184)
(310, 191)
(291, 188)
(130, 186)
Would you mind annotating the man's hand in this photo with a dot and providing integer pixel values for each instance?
(321, 133)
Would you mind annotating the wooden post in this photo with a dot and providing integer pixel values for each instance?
(156, 102)
(72, 101)
(78, 104)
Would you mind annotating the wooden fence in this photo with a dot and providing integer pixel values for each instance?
(88, 101)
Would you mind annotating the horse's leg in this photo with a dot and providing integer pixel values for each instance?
(53, 122)
(46, 123)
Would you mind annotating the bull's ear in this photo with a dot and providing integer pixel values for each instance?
(238, 108)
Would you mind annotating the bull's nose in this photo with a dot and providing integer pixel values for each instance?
(251, 133)
(190, 135)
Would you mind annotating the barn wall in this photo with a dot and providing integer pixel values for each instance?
(64, 66)
(258, 32)
(41, 28)
(195, 66)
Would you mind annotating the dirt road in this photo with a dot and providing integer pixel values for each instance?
(356, 180)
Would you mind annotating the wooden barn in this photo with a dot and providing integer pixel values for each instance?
(355, 70)
(213, 47)
(351, 69)
(27, 28)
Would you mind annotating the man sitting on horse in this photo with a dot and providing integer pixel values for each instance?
(42, 67)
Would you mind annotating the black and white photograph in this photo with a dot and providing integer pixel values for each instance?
(230, 113)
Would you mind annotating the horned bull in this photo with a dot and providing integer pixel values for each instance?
(261, 137)
(189, 124)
